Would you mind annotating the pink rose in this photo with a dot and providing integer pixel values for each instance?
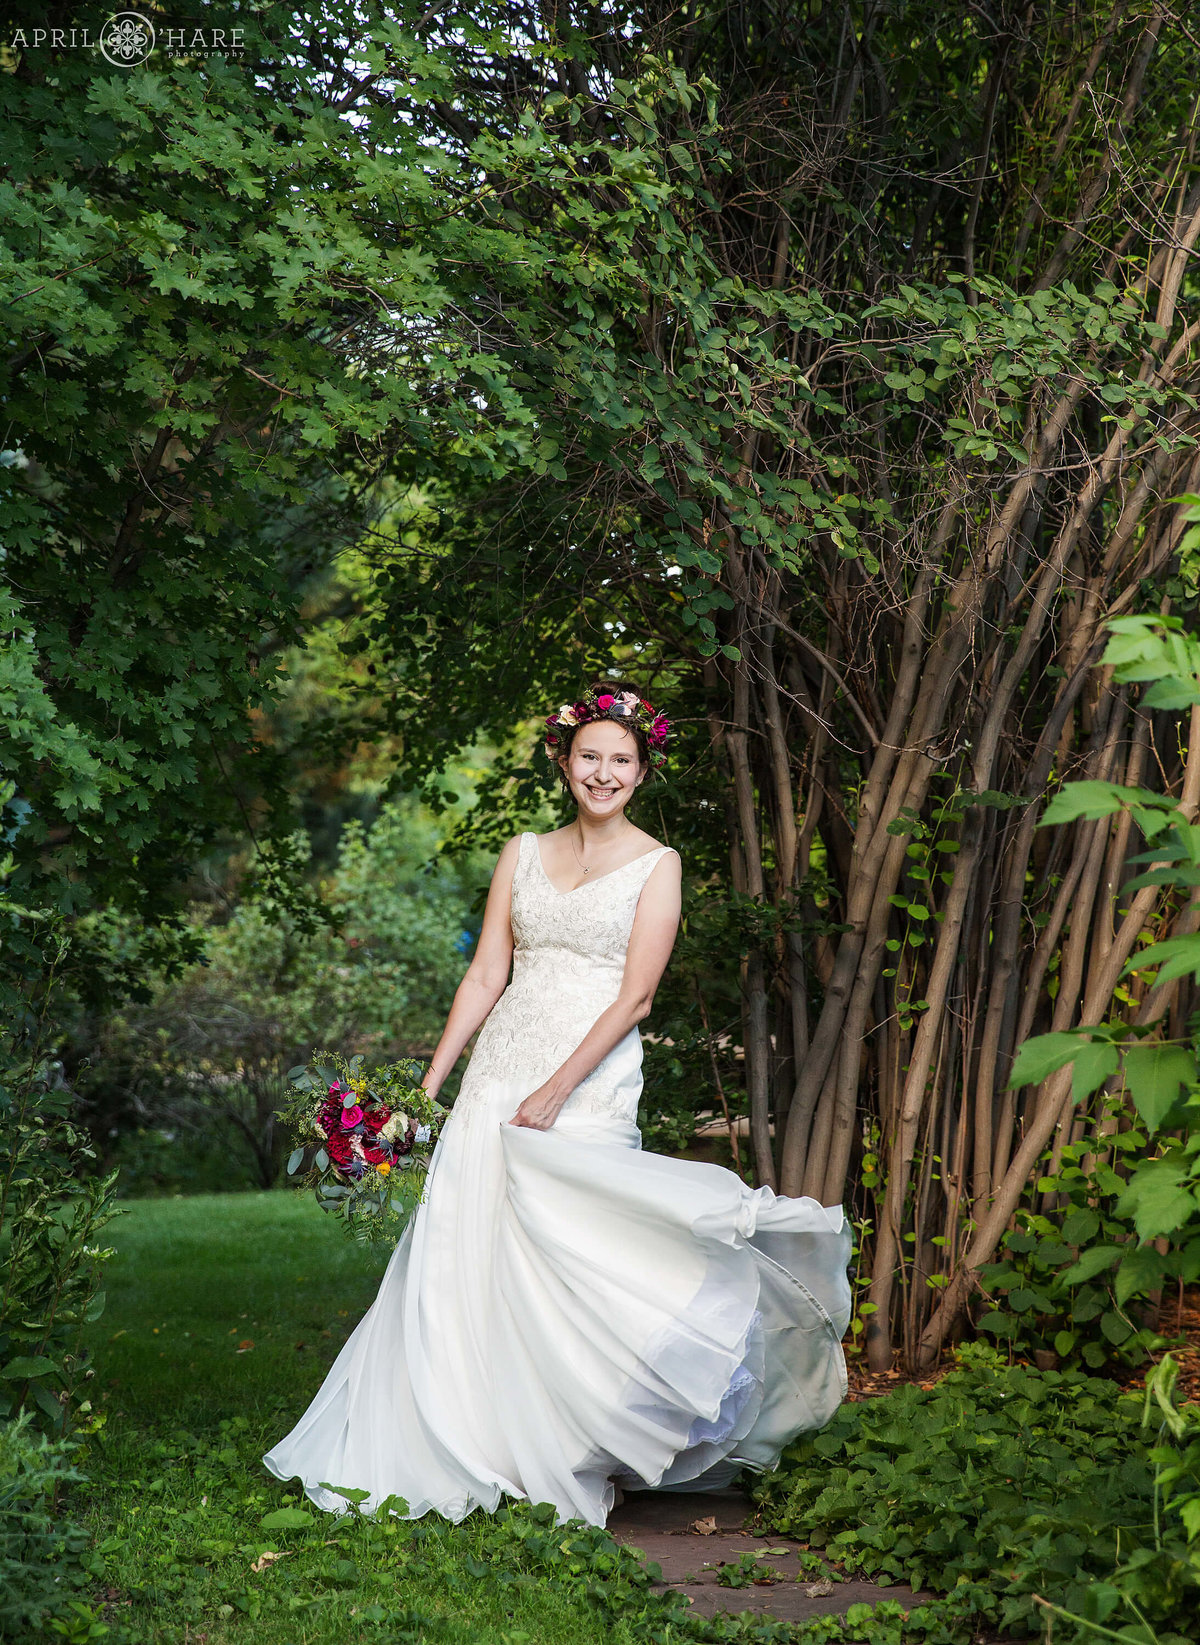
(606, 701)
(351, 1117)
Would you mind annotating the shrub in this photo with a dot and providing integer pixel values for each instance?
(42, 1559)
(194, 1076)
(50, 1216)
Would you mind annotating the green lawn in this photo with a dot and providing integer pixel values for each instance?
(226, 1305)
(225, 1311)
(223, 1314)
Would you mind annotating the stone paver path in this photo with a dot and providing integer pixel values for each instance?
(692, 1535)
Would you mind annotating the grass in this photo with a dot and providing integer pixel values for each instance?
(223, 1314)
(224, 1305)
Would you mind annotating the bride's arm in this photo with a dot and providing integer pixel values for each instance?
(486, 977)
(650, 945)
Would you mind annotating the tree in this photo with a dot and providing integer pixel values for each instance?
(839, 357)
(859, 407)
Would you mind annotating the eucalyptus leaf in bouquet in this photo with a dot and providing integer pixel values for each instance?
(364, 1138)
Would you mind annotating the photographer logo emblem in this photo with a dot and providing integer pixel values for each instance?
(127, 39)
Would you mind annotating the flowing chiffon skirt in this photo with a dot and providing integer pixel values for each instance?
(566, 1310)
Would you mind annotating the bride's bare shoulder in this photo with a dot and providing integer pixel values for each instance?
(510, 852)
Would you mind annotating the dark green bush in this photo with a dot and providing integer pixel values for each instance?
(42, 1558)
(50, 1217)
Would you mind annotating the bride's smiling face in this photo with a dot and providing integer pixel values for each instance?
(603, 768)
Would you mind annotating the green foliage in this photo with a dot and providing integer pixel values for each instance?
(1072, 1282)
(50, 1214)
(1148, 1171)
(206, 1055)
(1003, 1483)
(1177, 1458)
(43, 1558)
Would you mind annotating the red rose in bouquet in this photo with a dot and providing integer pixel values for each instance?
(376, 1130)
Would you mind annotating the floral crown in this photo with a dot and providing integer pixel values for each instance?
(624, 707)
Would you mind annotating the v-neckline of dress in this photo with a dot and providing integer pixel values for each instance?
(537, 851)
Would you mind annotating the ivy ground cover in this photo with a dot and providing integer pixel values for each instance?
(1028, 1497)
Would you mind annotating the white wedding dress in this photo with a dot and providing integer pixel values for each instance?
(564, 1309)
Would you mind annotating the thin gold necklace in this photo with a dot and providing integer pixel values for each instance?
(578, 858)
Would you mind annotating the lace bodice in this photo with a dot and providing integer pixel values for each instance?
(568, 961)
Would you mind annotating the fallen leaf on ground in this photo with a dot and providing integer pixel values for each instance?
(245, 1347)
(817, 1590)
(704, 1527)
(263, 1560)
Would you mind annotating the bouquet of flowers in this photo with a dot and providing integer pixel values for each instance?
(364, 1139)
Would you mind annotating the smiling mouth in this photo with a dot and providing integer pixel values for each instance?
(602, 793)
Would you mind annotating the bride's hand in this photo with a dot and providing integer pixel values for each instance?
(538, 1112)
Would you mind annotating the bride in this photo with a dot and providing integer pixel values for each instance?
(566, 1315)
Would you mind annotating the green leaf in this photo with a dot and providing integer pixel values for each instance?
(1141, 1271)
(1080, 1226)
(1085, 799)
(27, 1366)
(294, 1159)
(352, 1494)
(1154, 1074)
(1115, 1327)
(1158, 1197)
(286, 1519)
(1091, 1262)
(1097, 1059)
(1044, 1055)
(1022, 1299)
(1179, 957)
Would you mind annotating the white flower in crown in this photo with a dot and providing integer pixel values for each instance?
(566, 715)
